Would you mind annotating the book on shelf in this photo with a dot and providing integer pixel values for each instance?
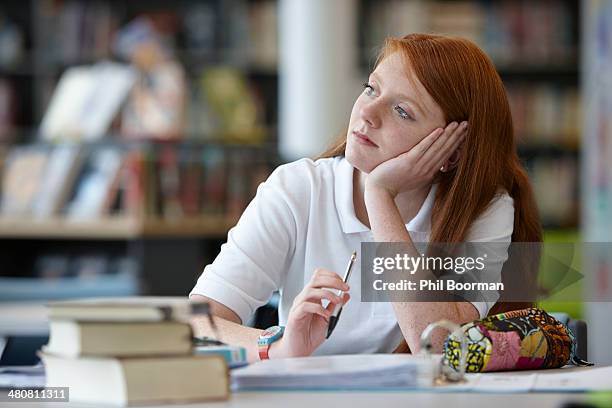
(392, 20)
(258, 175)
(133, 187)
(153, 204)
(63, 167)
(7, 110)
(200, 122)
(462, 18)
(231, 98)
(169, 182)
(96, 184)
(201, 28)
(555, 183)
(22, 178)
(190, 182)
(545, 114)
(504, 29)
(76, 31)
(238, 185)
(137, 380)
(263, 35)
(12, 44)
(70, 338)
(85, 101)
(215, 181)
(3, 154)
(211, 181)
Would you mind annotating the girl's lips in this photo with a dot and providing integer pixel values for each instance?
(363, 139)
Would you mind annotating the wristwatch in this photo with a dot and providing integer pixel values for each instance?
(266, 338)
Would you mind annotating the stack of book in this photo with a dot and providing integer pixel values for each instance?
(127, 351)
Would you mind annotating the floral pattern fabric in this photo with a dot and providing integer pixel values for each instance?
(518, 340)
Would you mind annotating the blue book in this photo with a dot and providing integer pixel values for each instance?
(235, 356)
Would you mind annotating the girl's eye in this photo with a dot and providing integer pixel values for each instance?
(368, 89)
(402, 113)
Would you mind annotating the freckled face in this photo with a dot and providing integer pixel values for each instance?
(391, 116)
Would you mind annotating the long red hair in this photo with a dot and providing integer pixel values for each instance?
(464, 83)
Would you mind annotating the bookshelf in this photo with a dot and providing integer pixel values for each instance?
(541, 76)
(170, 203)
(171, 207)
(55, 35)
(113, 228)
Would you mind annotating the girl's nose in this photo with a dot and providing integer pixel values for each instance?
(369, 113)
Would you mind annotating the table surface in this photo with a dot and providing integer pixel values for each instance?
(369, 399)
(360, 399)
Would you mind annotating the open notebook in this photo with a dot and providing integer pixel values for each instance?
(359, 372)
(407, 372)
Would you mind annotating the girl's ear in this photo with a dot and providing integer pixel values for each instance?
(452, 161)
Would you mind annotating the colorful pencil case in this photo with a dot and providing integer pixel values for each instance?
(518, 340)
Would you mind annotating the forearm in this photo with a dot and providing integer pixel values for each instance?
(413, 317)
(385, 219)
(230, 333)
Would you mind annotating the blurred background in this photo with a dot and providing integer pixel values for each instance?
(134, 133)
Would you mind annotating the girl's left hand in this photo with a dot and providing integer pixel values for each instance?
(418, 166)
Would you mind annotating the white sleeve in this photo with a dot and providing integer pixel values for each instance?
(495, 227)
(253, 262)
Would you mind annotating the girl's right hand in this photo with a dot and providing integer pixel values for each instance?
(308, 320)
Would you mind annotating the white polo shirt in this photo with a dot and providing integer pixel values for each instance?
(303, 218)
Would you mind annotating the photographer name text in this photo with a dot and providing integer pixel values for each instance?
(436, 285)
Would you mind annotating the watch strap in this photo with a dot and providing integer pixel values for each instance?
(267, 337)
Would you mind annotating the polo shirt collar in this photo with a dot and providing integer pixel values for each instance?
(343, 195)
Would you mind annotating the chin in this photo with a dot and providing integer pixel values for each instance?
(356, 159)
